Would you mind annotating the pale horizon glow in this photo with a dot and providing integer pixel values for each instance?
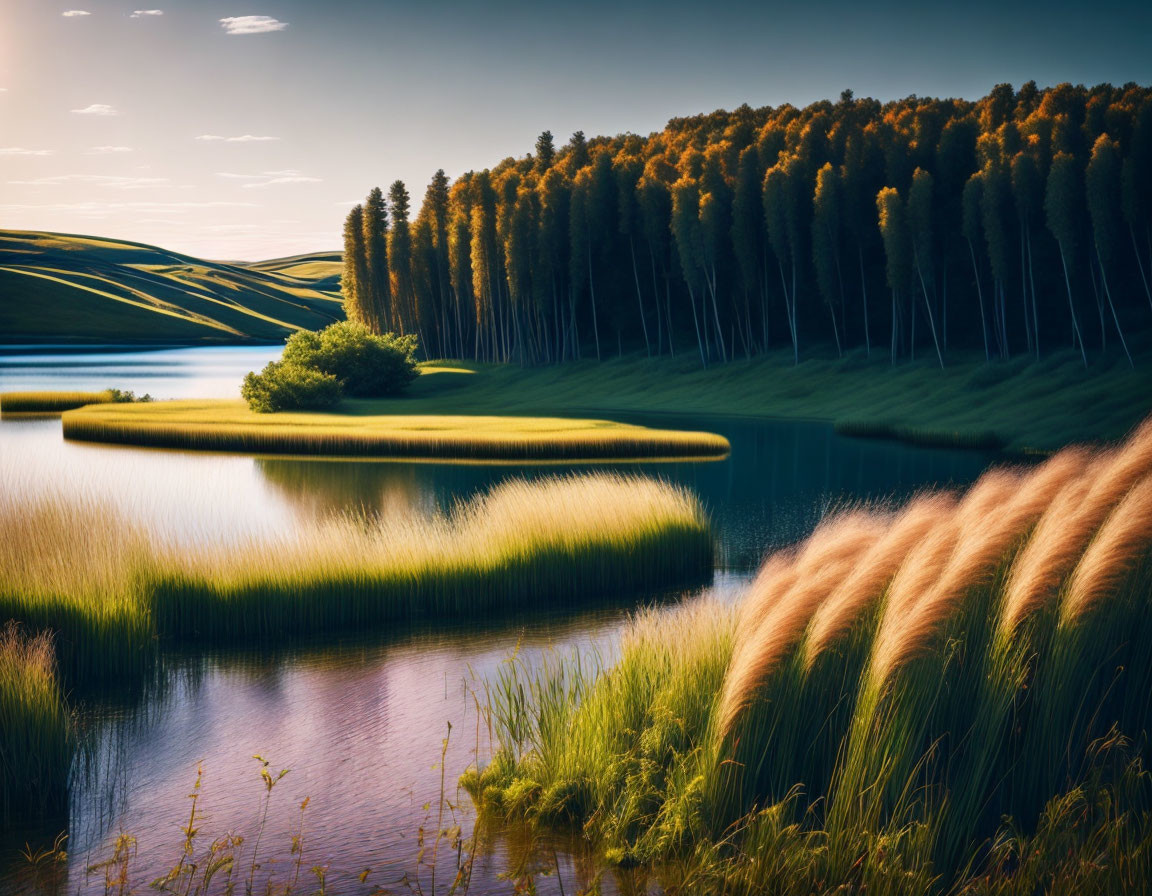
(242, 131)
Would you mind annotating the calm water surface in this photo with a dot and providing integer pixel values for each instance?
(360, 722)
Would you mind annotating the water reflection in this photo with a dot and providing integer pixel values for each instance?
(777, 483)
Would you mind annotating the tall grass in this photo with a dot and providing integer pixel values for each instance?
(36, 734)
(230, 426)
(108, 589)
(887, 694)
(50, 402)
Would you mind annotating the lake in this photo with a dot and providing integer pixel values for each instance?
(359, 721)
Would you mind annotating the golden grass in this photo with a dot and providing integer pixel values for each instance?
(869, 580)
(1120, 545)
(108, 588)
(49, 402)
(231, 426)
(768, 634)
(35, 727)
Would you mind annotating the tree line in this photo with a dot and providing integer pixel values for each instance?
(1018, 223)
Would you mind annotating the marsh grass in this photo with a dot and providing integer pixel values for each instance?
(50, 402)
(894, 700)
(230, 426)
(109, 590)
(36, 732)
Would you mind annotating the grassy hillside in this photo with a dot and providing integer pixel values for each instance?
(321, 269)
(59, 287)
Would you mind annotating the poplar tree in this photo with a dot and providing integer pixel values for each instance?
(406, 315)
(897, 251)
(1061, 211)
(352, 277)
(376, 297)
(1103, 181)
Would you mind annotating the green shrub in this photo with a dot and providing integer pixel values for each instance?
(127, 396)
(282, 386)
(366, 364)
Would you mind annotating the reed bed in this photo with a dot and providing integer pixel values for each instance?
(893, 701)
(109, 590)
(50, 402)
(36, 732)
(230, 426)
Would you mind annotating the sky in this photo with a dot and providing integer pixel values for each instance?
(245, 129)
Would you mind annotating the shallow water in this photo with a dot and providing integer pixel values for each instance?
(359, 721)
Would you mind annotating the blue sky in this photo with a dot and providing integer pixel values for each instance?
(245, 129)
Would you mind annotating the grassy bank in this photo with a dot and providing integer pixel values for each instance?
(109, 589)
(949, 696)
(231, 426)
(36, 735)
(50, 402)
(1021, 405)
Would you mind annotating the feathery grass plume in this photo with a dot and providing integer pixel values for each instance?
(36, 731)
(1095, 649)
(986, 543)
(1070, 523)
(1121, 545)
(785, 568)
(829, 556)
(868, 581)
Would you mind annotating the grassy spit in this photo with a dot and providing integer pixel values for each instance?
(231, 426)
(952, 696)
(50, 402)
(36, 737)
(109, 589)
(1021, 405)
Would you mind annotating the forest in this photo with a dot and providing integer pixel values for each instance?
(1020, 223)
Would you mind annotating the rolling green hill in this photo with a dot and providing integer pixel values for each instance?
(63, 288)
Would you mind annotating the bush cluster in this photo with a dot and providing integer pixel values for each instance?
(320, 368)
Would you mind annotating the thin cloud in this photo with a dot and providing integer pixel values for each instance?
(252, 24)
(72, 13)
(141, 13)
(100, 109)
(104, 209)
(97, 180)
(108, 150)
(22, 151)
(243, 138)
(271, 178)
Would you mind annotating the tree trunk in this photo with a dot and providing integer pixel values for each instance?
(696, 323)
(931, 320)
(864, 296)
(1077, 335)
(1115, 318)
(639, 298)
(592, 293)
(1140, 264)
(716, 314)
(980, 299)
